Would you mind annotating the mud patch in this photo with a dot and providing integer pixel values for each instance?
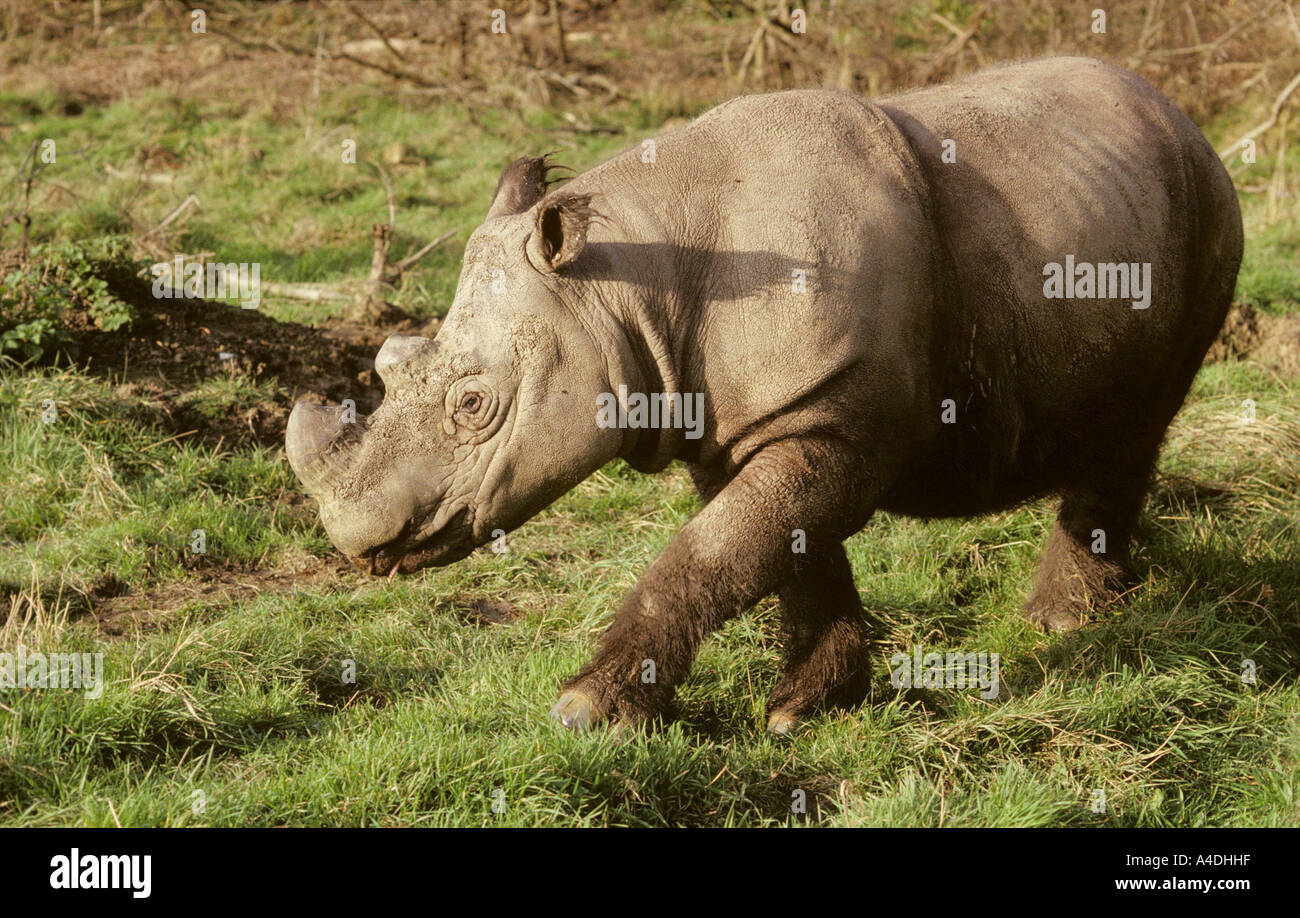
(1239, 336)
(1271, 341)
(1279, 347)
(119, 614)
(175, 346)
(490, 612)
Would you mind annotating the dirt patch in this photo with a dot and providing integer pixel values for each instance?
(1272, 341)
(1279, 346)
(175, 344)
(1239, 336)
(119, 614)
(490, 612)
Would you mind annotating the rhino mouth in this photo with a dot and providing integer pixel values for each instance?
(408, 552)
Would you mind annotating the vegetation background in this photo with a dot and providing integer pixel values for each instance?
(226, 701)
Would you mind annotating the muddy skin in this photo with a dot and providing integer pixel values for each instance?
(867, 321)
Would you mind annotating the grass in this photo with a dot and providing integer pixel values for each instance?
(246, 702)
(335, 700)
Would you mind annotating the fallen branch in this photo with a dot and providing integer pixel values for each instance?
(1267, 122)
(367, 295)
(149, 178)
(332, 55)
(311, 293)
(191, 200)
(374, 28)
(409, 260)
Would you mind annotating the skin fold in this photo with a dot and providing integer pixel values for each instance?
(857, 290)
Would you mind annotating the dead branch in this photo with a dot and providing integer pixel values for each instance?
(191, 200)
(1218, 42)
(332, 55)
(33, 167)
(353, 291)
(954, 47)
(1267, 122)
(559, 32)
(405, 264)
(388, 194)
(147, 178)
(311, 293)
(374, 28)
(372, 305)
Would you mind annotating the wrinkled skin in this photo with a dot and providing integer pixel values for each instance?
(919, 369)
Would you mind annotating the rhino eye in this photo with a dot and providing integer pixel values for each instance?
(471, 405)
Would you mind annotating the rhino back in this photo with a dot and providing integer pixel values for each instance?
(923, 280)
(1064, 156)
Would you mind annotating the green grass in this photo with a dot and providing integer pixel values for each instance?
(275, 189)
(239, 703)
(245, 701)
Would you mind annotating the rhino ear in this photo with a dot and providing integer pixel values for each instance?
(522, 184)
(561, 231)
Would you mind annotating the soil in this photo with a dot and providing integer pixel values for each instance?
(1239, 335)
(1279, 346)
(175, 343)
(1270, 341)
(119, 614)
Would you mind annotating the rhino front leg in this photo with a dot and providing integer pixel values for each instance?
(736, 550)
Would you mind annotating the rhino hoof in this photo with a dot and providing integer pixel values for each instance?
(782, 723)
(574, 711)
(1055, 619)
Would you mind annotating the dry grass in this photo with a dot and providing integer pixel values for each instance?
(31, 620)
(1208, 56)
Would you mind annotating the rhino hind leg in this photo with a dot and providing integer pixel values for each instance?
(1085, 565)
(827, 644)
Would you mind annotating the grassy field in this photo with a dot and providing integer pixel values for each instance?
(262, 683)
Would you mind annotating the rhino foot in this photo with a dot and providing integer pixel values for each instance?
(1055, 618)
(1085, 563)
(575, 711)
(782, 723)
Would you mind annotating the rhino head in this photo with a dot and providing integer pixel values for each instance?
(485, 426)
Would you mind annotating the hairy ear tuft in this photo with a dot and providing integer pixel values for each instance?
(522, 184)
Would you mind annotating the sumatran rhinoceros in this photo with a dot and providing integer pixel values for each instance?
(940, 304)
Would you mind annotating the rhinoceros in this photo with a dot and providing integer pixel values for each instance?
(939, 304)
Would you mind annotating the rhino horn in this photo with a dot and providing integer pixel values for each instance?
(393, 358)
(313, 444)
